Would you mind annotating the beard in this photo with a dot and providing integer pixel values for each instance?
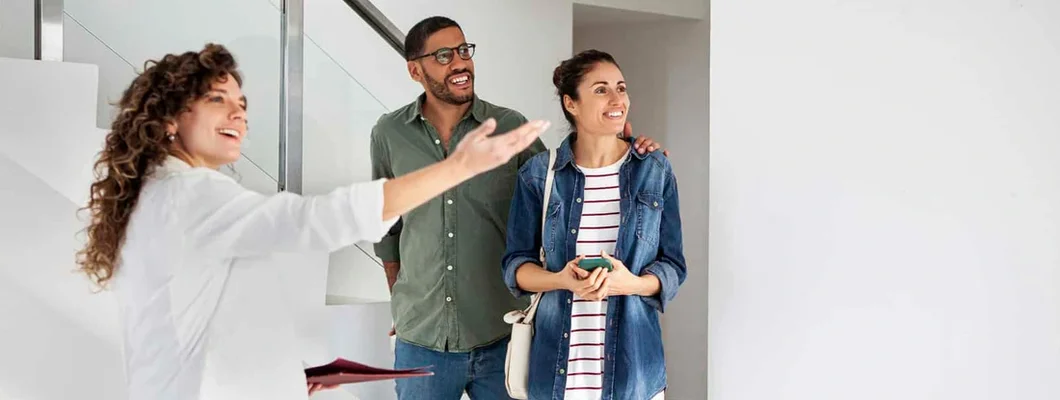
(440, 89)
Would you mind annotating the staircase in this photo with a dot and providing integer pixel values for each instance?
(54, 324)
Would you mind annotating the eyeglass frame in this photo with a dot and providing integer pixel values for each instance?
(470, 46)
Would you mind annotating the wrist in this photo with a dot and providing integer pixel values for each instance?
(647, 285)
(457, 166)
(556, 281)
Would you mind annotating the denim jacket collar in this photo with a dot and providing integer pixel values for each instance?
(565, 152)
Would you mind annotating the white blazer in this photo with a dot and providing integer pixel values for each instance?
(201, 313)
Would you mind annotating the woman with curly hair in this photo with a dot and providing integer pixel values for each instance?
(189, 253)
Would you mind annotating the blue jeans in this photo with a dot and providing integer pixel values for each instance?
(479, 372)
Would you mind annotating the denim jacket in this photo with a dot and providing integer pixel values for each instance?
(649, 242)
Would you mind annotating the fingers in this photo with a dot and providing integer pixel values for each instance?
(596, 279)
(615, 263)
(638, 145)
(573, 264)
(604, 291)
(483, 130)
(575, 261)
(644, 144)
(601, 292)
(589, 284)
(524, 135)
(581, 273)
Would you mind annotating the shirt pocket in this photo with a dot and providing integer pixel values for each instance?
(649, 217)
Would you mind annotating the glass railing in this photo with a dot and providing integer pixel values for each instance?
(341, 105)
(120, 36)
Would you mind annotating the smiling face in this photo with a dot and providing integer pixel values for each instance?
(602, 103)
(453, 83)
(211, 132)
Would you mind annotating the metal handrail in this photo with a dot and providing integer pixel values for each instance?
(291, 82)
(380, 23)
(48, 30)
(292, 27)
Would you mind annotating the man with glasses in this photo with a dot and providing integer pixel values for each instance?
(442, 259)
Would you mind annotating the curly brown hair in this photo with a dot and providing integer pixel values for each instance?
(138, 143)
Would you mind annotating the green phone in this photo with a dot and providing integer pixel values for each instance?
(590, 264)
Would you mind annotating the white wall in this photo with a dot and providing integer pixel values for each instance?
(885, 211)
(53, 324)
(676, 8)
(664, 66)
(16, 29)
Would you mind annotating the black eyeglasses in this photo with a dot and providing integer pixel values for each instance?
(444, 55)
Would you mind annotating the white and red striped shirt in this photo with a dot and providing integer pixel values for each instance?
(598, 232)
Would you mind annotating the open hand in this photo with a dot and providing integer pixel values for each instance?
(479, 152)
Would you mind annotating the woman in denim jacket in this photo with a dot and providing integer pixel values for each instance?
(597, 333)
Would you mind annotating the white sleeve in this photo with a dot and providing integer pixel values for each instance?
(219, 216)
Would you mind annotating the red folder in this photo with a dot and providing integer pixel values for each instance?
(343, 371)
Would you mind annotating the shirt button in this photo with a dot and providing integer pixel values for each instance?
(450, 201)
(568, 301)
(436, 141)
(565, 334)
(578, 199)
(448, 299)
(562, 371)
(449, 267)
(450, 234)
(654, 204)
(573, 231)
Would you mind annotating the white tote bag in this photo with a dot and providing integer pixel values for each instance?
(517, 362)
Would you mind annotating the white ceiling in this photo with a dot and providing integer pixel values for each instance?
(587, 16)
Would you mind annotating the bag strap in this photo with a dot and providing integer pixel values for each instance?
(549, 176)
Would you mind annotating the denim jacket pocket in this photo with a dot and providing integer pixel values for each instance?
(649, 217)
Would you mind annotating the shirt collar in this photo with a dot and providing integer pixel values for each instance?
(172, 165)
(477, 110)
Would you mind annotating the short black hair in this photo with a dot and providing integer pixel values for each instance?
(416, 39)
(569, 74)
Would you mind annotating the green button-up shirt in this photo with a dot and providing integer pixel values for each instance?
(449, 294)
